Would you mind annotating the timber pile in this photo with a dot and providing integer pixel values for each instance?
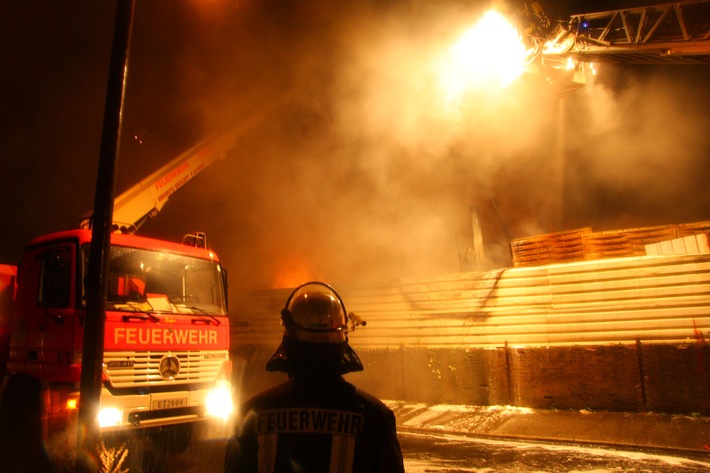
(584, 244)
(561, 247)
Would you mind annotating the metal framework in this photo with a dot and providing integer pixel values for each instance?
(670, 33)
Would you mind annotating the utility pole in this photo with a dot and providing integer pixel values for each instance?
(88, 433)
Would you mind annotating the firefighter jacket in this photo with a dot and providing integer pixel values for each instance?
(315, 424)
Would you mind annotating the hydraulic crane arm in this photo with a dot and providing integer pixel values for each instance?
(145, 199)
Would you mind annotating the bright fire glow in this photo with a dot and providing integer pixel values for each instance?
(489, 54)
(291, 273)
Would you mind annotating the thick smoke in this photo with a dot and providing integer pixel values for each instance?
(636, 147)
(368, 170)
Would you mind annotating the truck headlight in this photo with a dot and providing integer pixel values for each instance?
(219, 400)
(109, 416)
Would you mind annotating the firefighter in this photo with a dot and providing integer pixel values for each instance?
(314, 422)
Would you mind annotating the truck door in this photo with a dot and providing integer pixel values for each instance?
(46, 303)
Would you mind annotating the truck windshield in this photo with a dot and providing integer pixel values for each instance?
(160, 282)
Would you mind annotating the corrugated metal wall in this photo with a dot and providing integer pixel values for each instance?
(655, 299)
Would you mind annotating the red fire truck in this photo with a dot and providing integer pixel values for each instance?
(166, 347)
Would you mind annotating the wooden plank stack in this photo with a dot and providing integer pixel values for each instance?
(584, 244)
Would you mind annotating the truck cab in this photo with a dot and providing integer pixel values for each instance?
(166, 344)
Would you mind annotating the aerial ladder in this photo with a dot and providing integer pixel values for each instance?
(565, 51)
(677, 32)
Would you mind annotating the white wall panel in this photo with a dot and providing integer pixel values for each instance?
(663, 299)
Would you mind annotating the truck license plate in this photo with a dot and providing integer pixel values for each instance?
(169, 403)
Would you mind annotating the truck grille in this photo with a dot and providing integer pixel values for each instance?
(133, 369)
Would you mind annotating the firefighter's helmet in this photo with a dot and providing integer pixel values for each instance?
(315, 333)
(315, 313)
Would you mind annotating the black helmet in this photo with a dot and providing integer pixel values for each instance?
(315, 333)
(314, 313)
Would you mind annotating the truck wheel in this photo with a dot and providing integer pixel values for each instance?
(20, 425)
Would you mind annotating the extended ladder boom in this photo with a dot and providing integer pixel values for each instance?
(676, 32)
(145, 199)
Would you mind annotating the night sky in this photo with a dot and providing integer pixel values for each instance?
(363, 174)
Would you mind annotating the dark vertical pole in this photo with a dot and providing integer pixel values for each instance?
(642, 372)
(88, 435)
(509, 374)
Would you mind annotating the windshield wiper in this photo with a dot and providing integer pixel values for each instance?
(141, 314)
(203, 313)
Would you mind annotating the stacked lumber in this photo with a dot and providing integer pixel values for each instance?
(549, 248)
(628, 242)
(584, 244)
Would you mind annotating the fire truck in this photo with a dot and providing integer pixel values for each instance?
(166, 347)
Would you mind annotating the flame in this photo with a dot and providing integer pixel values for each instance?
(292, 273)
(489, 54)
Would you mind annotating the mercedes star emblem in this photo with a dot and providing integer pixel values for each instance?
(169, 367)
